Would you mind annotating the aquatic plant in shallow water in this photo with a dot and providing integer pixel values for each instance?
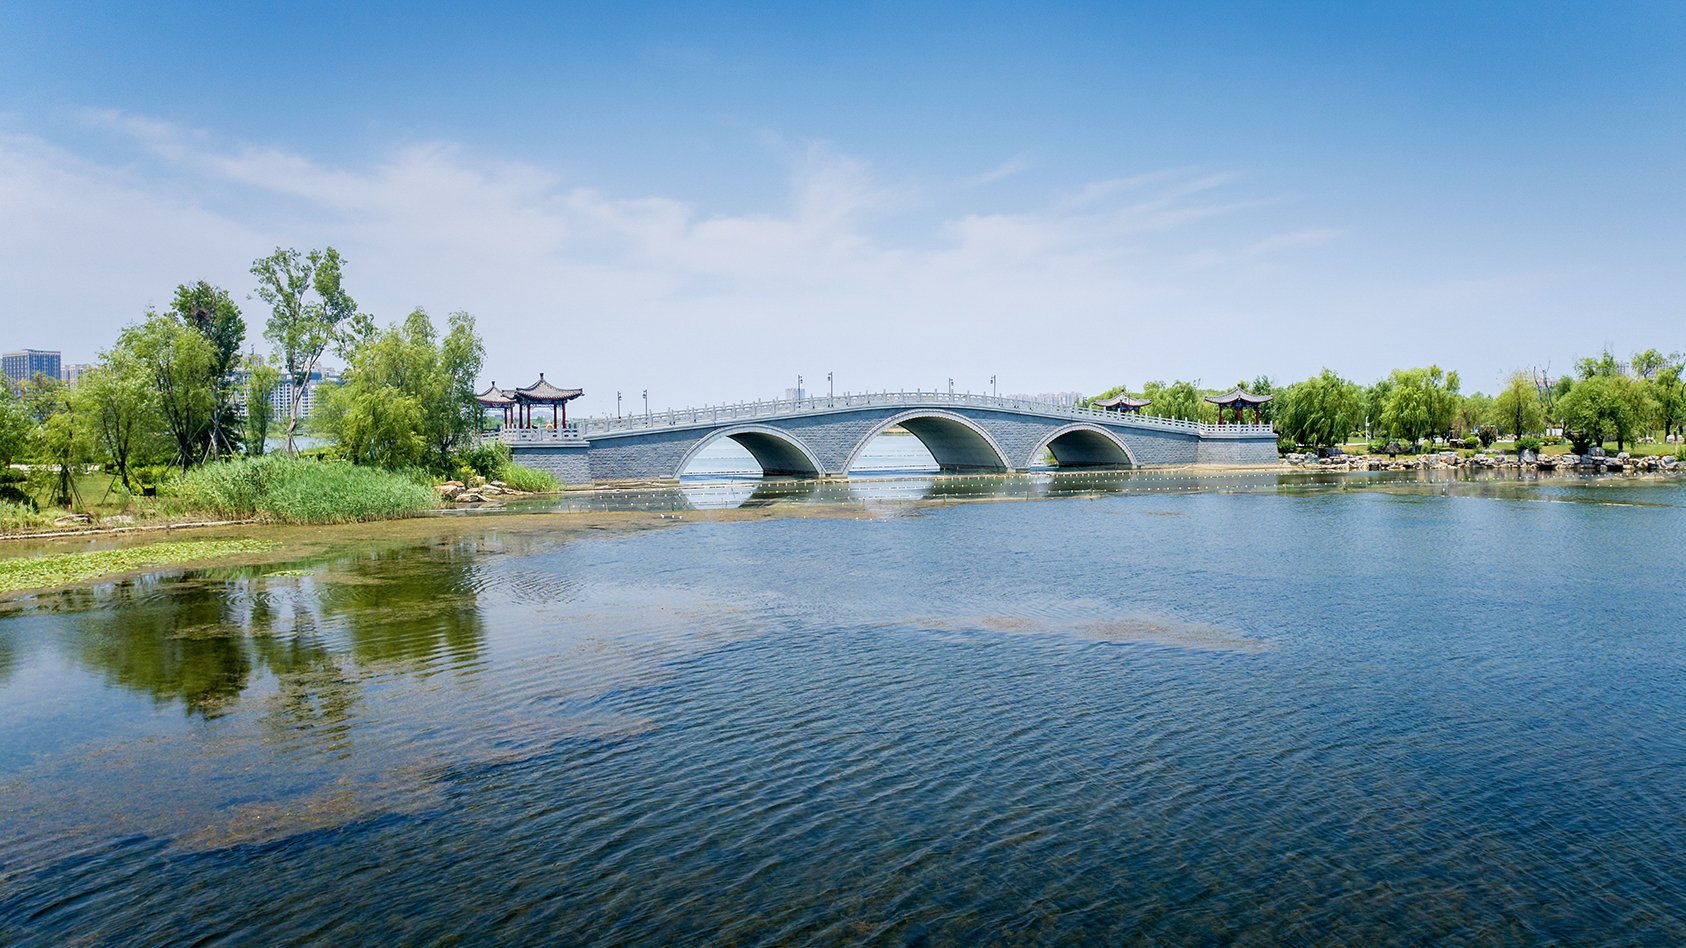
(59, 569)
(292, 490)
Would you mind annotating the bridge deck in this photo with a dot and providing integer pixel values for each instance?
(820, 405)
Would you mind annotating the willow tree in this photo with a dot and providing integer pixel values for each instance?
(1518, 406)
(309, 311)
(1421, 402)
(1323, 409)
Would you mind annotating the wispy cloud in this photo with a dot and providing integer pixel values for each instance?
(644, 284)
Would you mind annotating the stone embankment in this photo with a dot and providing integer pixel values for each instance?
(478, 492)
(1594, 462)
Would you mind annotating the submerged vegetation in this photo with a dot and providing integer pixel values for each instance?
(36, 572)
(295, 490)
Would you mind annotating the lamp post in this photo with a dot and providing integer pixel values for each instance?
(951, 388)
(646, 407)
(992, 387)
(830, 387)
(617, 404)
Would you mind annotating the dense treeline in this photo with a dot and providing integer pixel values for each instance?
(1599, 402)
(175, 391)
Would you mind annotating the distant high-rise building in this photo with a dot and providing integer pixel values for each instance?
(24, 364)
(72, 372)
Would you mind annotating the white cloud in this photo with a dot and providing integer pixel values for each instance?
(632, 292)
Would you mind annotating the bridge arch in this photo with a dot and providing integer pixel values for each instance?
(955, 441)
(1084, 445)
(777, 451)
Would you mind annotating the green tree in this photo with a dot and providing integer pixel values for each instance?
(261, 379)
(302, 327)
(1600, 407)
(118, 407)
(1179, 400)
(1374, 403)
(1321, 410)
(1422, 402)
(1669, 394)
(1650, 363)
(213, 313)
(452, 416)
(15, 426)
(1262, 386)
(1518, 409)
(406, 398)
(53, 437)
(177, 360)
(1473, 412)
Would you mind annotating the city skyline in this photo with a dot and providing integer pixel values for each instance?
(707, 205)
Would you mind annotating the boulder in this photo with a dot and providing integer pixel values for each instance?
(1595, 452)
(470, 497)
(449, 490)
(1527, 456)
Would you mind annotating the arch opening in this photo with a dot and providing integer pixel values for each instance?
(953, 442)
(1087, 448)
(775, 453)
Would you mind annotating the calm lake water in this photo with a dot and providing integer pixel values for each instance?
(1251, 709)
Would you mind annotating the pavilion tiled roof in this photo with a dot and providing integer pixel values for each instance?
(495, 396)
(1238, 396)
(545, 393)
(1122, 401)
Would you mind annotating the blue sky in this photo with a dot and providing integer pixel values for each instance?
(707, 200)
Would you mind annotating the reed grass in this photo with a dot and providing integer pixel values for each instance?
(16, 516)
(296, 490)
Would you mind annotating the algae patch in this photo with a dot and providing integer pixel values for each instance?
(59, 569)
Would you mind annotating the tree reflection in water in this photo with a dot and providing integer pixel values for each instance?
(201, 637)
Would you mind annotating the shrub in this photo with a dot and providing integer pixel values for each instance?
(1472, 442)
(1526, 443)
(1378, 445)
(295, 490)
(494, 461)
(486, 459)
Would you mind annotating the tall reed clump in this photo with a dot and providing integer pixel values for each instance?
(16, 516)
(294, 490)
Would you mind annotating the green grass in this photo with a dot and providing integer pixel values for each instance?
(36, 572)
(295, 490)
(527, 479)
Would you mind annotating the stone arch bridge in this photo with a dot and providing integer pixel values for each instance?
(823, 436)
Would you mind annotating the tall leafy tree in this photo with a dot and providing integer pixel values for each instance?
(1518, 408)
(1374, 404)
(1421, 403)
(213, 313)
(177, 361)
(1669, 394)
(408, 397)
(453, 416)
(118, 406)
(54, 437)
(309, 311)
(15, 425)
(261, 379)
(1321, 410)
